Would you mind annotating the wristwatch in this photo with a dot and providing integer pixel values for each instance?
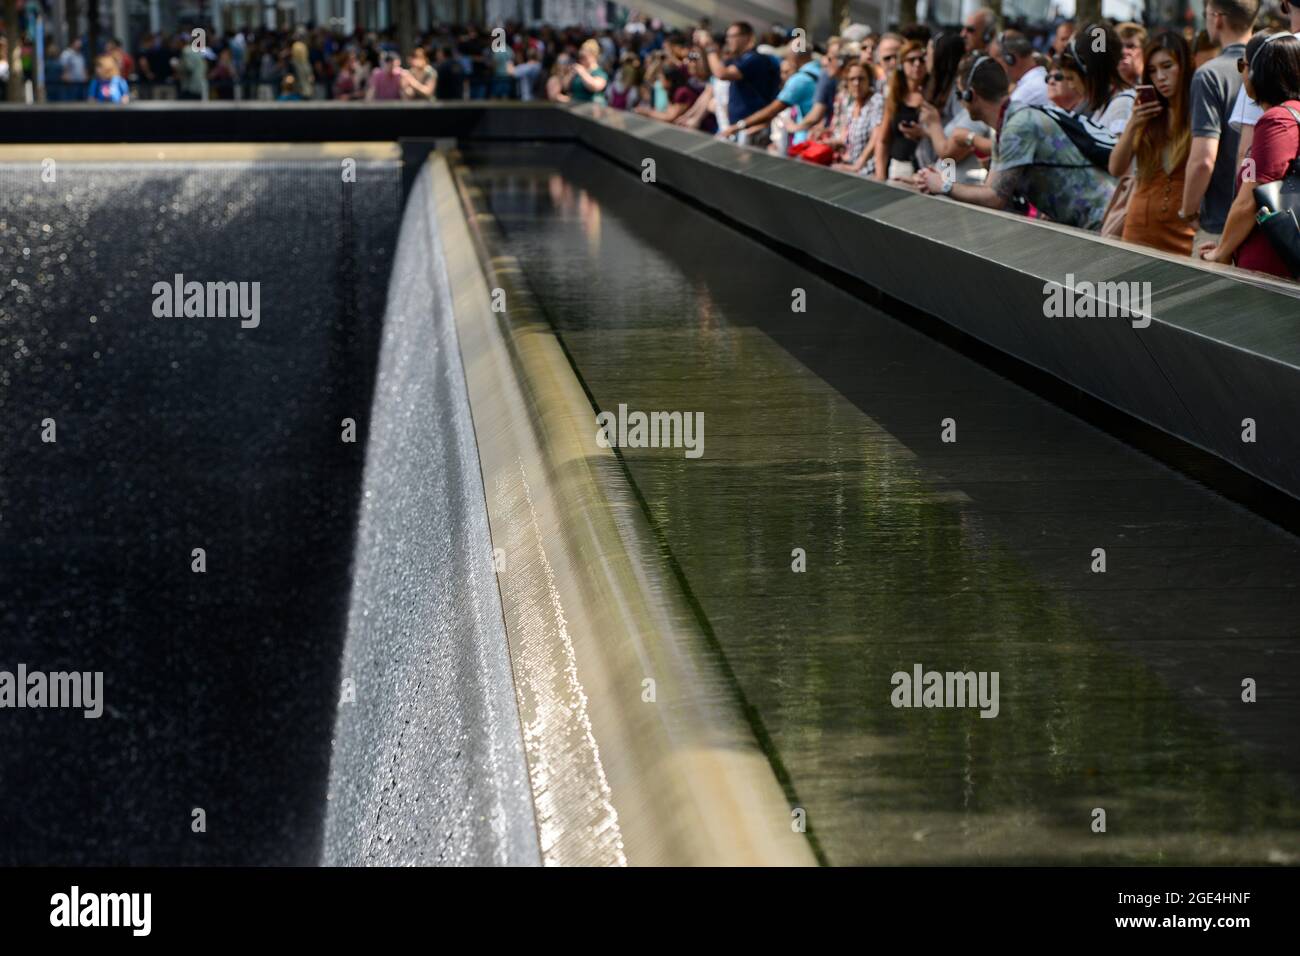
(970, 140)
(1185, 216)
(946, 188)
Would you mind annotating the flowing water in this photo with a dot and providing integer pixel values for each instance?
(824, 449)
(245, 438)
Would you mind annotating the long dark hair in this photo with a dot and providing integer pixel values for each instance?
(1098, 67)
(949, 48)
(1275, 69)
(1176, 130)
(897, 97)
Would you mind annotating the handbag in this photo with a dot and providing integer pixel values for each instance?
(1279, 202)
(813, 152)
(1112, 222)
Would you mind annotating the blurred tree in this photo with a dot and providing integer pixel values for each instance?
(1087, 11)
(404, 15)
(92, 35)
(839, 15)
(906, 13)
(801, 10)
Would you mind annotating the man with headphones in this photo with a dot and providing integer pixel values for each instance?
(1015, 53)
(979, 30)
(1033, 159)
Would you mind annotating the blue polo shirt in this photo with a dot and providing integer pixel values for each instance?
(800, 91)
(760, 80)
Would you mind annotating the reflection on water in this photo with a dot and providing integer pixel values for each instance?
(1119, 690)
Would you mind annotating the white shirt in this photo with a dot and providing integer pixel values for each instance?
(1031, 89)
(1115, 114)
(74, 66)
(1245, 111)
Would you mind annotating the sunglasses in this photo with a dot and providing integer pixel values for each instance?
(1056, 77)
(887, 59)
(966, 29)
(913, 60)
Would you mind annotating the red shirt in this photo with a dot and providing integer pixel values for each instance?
(1276, 143)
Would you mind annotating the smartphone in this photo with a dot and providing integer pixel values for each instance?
(1145, 94)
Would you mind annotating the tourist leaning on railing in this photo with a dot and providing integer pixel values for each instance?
(818, 119)
(1034, 159)
(942, 104)
(962, 139)
(1272, 78)
(895, 152)
(857, 118)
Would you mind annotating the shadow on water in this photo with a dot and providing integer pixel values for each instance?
(1118, 690)
(175, 434)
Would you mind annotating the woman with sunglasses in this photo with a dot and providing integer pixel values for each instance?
(1157, 141)
(895, 153)
(884, 60)
(1272, 79)
(1062, 89)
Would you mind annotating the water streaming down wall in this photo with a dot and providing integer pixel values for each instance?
(428, 764)
(221, 687)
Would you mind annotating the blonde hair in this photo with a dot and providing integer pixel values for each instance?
(591, 48)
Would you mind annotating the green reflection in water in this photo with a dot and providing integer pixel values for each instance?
(905, 567)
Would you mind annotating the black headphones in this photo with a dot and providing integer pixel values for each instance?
(1006, 55)
(1074, 54)
(1250, 67)
(990, 32)
(968, 94)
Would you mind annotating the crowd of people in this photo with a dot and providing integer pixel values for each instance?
(1142, 134)
(1154, 136)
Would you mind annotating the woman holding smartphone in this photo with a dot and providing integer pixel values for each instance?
(1156, 141)
(895, 152)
